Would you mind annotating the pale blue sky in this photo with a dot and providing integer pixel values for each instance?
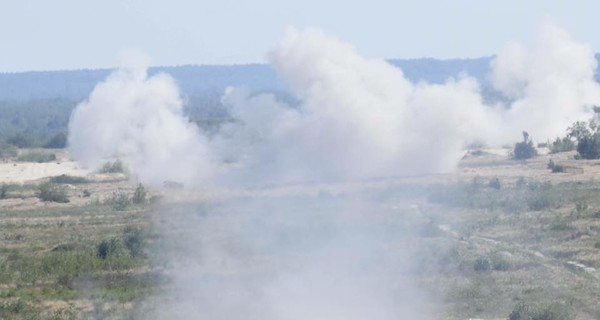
(71, 34)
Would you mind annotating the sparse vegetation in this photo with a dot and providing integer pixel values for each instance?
(119, 200)
(139, 195)
(553, 311)
(555, 168)
(495, 183)
(113, 167)
(66, 179)
(565, 144)
(108, 248)
(482, 264)
(588, 139)
(133, 240)
(37, 156)
(52, 193)
(3, 191)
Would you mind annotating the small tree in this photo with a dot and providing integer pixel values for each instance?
(3, 191)
(139, 196)
(587, 137)
(524, 149)
(133, 239)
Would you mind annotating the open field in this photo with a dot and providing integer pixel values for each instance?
(495, 233)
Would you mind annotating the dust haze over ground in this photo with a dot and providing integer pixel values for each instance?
(317, 257)
(297, 257)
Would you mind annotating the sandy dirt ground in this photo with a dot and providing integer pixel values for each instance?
(21, 172)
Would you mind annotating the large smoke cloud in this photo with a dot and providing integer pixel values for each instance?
(358, 118)
(552, 85)
(139, 120)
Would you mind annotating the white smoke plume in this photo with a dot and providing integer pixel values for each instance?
(552, 84)
(139, 120)
(358, 118)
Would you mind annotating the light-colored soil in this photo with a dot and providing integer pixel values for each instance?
(21, 172)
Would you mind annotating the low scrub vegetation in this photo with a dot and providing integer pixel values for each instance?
(555, 168)
(67, 179)
(554, 311)
(37, 156)
(121, 201)
(564, 144)
(52, 193)
(113, 167)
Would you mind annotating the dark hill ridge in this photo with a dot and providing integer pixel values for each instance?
(202, 80)
(196, 80)
(77, 84)
(40, 103)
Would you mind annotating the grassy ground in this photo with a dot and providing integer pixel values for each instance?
(496, 235)
(71, 261)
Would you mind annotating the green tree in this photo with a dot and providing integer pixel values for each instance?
(524, 149)
(588, 139)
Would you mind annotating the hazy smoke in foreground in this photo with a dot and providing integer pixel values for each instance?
(288, 258)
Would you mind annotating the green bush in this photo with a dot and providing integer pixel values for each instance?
(499, 263)
(588, 139)
(37, 156)
(555, 168)
(133, 240)
(495, 184)
(565, 144)
(52, 193)
(120, 201)
(553, 311)
(113, 167)
(3, 191)
(482, 264)
(524, 149)
(66, 179)
(107, 248)
(139, 196)
(589, 147)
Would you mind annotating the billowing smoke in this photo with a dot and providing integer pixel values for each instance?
(139, 120)
(358, 118)
(552, 85)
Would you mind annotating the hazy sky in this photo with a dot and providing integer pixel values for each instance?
(72, 34)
